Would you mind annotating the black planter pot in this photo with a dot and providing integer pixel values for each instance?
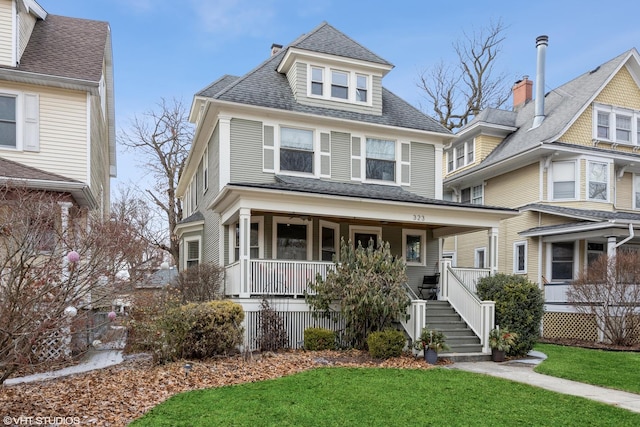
(430, 356)
(497, 355)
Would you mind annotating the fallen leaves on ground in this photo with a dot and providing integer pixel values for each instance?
(117, 395)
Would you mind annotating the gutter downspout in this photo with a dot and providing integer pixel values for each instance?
(626, 239)
(541, 44)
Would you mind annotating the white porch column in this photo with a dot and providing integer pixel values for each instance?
(443, 291)
(611, 246)
(493, 250)
(244, 249)
(64, 228)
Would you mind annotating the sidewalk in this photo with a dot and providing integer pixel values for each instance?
(522, 371)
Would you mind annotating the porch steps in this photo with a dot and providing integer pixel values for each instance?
(461, 339)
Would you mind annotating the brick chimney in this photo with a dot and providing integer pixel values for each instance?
(522, 92)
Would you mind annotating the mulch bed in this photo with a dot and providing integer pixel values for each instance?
(117, 395)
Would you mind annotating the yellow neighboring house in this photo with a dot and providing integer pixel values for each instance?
(569, 160)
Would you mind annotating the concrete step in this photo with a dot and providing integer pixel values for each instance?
(464, 357)
(464, 348)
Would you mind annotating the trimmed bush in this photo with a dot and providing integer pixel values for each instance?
(519, 308)
(316, 339)
(386, 344)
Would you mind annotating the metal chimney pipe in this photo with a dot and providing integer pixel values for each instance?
(541, 45)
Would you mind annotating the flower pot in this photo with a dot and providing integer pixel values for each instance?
(497, 355)
(430, 356)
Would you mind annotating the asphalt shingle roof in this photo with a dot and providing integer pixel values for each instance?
(265, 87)
(66, 47)
(585, 214)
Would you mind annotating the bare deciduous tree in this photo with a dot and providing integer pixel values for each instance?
(609, 292)
(161, 138)
(55, 261)
(456, 93)
(201, 283)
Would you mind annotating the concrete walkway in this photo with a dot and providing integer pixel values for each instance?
(522, 371)
(97, 359)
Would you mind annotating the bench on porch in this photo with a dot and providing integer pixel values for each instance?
(429, 287)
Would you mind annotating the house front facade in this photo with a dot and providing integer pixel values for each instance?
(569, 161)
(306, 150)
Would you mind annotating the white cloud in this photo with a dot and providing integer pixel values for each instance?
(233, 17)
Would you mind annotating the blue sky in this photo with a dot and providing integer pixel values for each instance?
(168, 48)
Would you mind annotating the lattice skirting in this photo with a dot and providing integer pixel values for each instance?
(578, 326)
(55, 347)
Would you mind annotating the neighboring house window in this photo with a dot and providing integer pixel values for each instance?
(636, 191)
(450, 167)
(292, 238)
(618, 125)
(520, 257)
(562, 261)
(479, 258)
(340, 84)
(594, 251)
(450, 255)
(598, 181)
(362, 235)
(317, 81)
(296, 150)
(461, 155)
(192, 255)
(362, 88)
(472, 195)
(564, 180)
(8, 123)
(329, 237)
(413, 246)
(381, 159)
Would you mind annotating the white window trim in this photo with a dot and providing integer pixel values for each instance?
(398, 160)
(516, 245)
(549, 259)
(336, 228)
(613, 111)
(316, 151)
(475, 257)
(19, 119)
(205, 170)
(452, 154)
(352, 79)
(576, 180)
(353, 229)
(608, 180)
(298, 221)
(232, 241)
(187, 240)
(451, 255)
(423, 243)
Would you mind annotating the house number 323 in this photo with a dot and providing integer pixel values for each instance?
(418, 217)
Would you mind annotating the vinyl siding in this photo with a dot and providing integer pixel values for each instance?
(246, 149)
(298, 80)
(340, 156)
(100, 180)
(6, 29)
(484, 145)
(624, 192)
(63, 132)
(214, 162)
(26, 22)
(423, 179)
(513, 189)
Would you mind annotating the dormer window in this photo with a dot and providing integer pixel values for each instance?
(461, 155)
(339, 85)
(362, 87)
(616, 125)
(317, 81)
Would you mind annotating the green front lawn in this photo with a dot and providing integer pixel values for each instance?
(383, 397)
(612, 369)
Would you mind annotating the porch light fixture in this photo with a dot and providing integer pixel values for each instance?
(187, 369)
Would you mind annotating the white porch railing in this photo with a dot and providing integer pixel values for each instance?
(470, 276)
(276, 277)
(417, 313)
(479, 315)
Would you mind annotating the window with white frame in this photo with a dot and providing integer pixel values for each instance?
(329, 239)
(617, 125)
(479, 259)
(598, 181)
(291, 238)
(363, 235)
(255, 239)
(636, 191)
(381, 159)
(8, 121)
(362, 88)
(414, 246)
(192, 252)
(520, 257)
(594, 251)
(564, 180)
(472, 195)
(562, 261)
(296, 150)
(317, 81)
(461, 155)
(205, 170)
(339, 84)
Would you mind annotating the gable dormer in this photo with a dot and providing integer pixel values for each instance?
(327, 69)
(17, 19)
